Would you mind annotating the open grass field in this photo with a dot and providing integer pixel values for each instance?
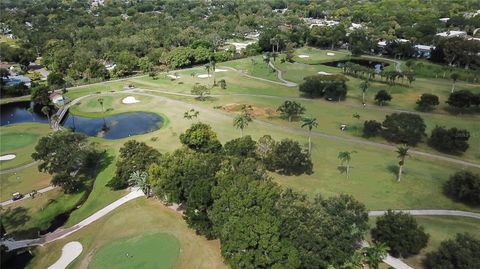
(20, 139)
(133, 220)
(149, 251)
(38, 213)
(439, 229)
(23, 181)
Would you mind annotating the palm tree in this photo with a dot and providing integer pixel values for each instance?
(454, 77)
(241, 121)
(139, 179)
(375, 254)
(46, 112)
(100, 101)
(207, 67)
(190, 114)
(402, 154)
(345, 157)
(214, 65)
(364, 87)
(309, 123)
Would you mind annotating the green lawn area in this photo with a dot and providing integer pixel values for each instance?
(23, 181)
(31, 215)
(136, 219)
(154, 251)
(20, 139)
(440, 228)
(254, 66)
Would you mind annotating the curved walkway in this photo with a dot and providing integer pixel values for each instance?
(64, 232)
(280, 76)
(18, 168)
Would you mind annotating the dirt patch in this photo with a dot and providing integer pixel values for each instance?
(256, 111)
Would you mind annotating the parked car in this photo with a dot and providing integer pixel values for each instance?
(17, 196)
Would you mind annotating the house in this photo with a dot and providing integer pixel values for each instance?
(15, 80)
(444, 20)
(239, 46)
(109, 65)
(423, 51)
(57, 99)
(280, 10)
(320, 22)
(450, 34)
(355, 26)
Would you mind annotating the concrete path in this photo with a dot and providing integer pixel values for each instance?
(70, 252)
(431, 212)
(62, 233)
(280, 76)
(16, 169)
(28, 196)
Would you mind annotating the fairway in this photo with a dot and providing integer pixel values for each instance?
(157, 251)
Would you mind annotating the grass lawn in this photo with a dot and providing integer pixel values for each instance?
(23, 181)
(133, 220)
(20, 139)
(439, 229)
(254, 66)
(149, 251)
(30, 215)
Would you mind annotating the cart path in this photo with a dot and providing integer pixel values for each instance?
(17, 168)
(27, 196)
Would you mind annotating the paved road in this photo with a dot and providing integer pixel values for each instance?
(431, 212)
(27, 196)
(16, 169)
(62, 233)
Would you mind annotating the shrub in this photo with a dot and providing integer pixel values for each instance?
(382, 97)
(451, 140)
(459, 253)
(427, 102)
(401, 233)
(464, 186)
(332, 87)
(371, 128)
(404, 128)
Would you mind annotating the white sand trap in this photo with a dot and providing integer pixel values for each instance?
(70, 251)
(303, 56)
(323, 73)
(8, 157)
(173, 76)
(204, 76)
(221, 70)
(130, 100)
(330, 54)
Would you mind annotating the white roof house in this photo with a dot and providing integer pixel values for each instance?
(424, 47)
(239, 46)
(444, 20)
(450, 34)
(355, 26)
(320, 22)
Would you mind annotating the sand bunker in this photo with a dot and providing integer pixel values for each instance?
(303, 56)
(69, 252)
(204, 76)
(221, 70)
(323, 73)
(256, 111)
(173, 76)
(7, 157)
(330, 54)
(130, 100)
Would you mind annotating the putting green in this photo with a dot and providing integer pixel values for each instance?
(12, 141)
(148, 251)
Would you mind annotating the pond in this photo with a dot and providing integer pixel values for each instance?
(18, 112)
(366, 63)
(111, 127)
(116, 126)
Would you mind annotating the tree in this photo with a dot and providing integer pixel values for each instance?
(134, 156)
(63, 154)
(405, 128)
(139, 179)
(309, 123)
(201, 91)
(427, 102)
(345, 157)
(241, 121)
(213, 65)
(200, 137)
(291, 109)
(208, 67)
(410, 77)
(290, 51)
(453, 140)
(287, 158)
(331, 87)
(375, 254)
(265, 146)
(242, 147)
(402, 152)
(382, 97)
(461, 99)
(190, 114)
(401, 233)
(41, 95)
(223, 84)
(364, 87)
(460, 252)
(464, 186)
(46, 112)
(55, 81)
(371, 128)
(454, 77)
